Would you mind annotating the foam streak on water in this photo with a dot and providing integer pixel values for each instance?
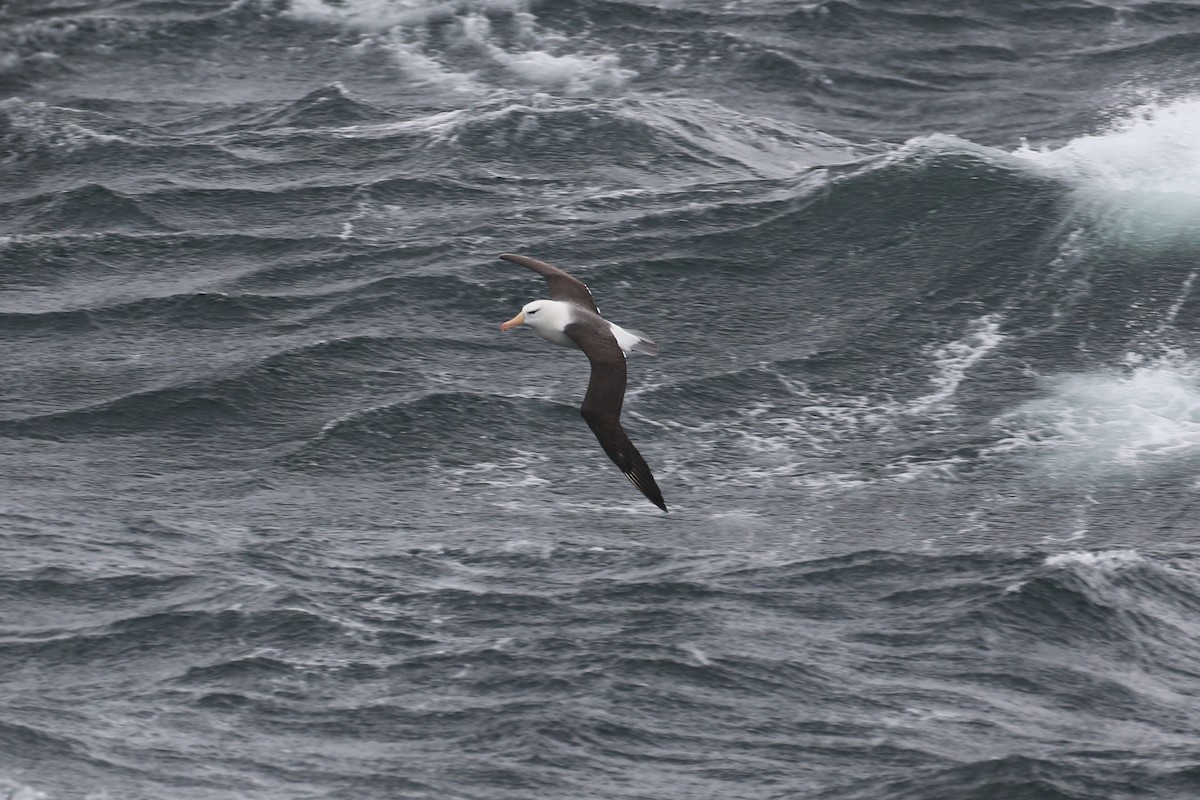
(953, 360)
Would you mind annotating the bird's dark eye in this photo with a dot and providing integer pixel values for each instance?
(533, 311)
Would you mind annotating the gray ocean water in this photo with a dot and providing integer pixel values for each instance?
(283, 515)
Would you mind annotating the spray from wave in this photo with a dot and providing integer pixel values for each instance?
(1135, 184)
(1140, 179)
(1144, 418)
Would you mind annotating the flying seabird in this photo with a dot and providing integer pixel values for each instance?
(570, 318)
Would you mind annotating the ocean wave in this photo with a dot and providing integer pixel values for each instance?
(62, 273)
(408, 430)
(471, 648)
(1117, 604)
(90, 208)
(1065, 777)
(254, 396)
(29, 128)
(1138, 179)
(503, 151)
(40, 42)
(545, 127)
(95, 208)
(202, 308)
(49, 594)
(1165, 46)
(1135, 179)
(942, 351)
(44, 45)
(330, 106)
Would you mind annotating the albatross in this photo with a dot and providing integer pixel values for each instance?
(570, 318)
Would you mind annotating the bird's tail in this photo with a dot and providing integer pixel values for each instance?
(632, 341)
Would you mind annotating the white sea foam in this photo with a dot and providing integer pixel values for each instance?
(506, 473)
(14, 790)
(1101, 559)
(1141, 176)
(408, 52)
(1177, 304)
(381, 15)
(572, 74)
(1155, 149)
(53, 126)
(1144, 417)
(695, 652)
(428, 40)
(1138, 179)
(953, 360)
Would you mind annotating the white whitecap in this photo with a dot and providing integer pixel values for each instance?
(1140, 177)
(1116, 421)
(429, 40)
(1102, 559)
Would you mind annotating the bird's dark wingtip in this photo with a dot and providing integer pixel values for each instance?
(648, 488)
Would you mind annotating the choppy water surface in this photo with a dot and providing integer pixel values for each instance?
(283, 515)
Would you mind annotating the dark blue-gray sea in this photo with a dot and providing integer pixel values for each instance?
(285, 516)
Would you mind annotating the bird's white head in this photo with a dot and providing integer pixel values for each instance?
(548, 318)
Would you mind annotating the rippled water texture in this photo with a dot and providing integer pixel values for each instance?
(283, 514)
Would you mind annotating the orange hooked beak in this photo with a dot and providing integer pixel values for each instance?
(519, 319)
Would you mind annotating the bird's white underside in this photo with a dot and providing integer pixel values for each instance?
(550, 318)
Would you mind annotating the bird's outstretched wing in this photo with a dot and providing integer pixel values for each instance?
(601, 408)
(562, 286)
